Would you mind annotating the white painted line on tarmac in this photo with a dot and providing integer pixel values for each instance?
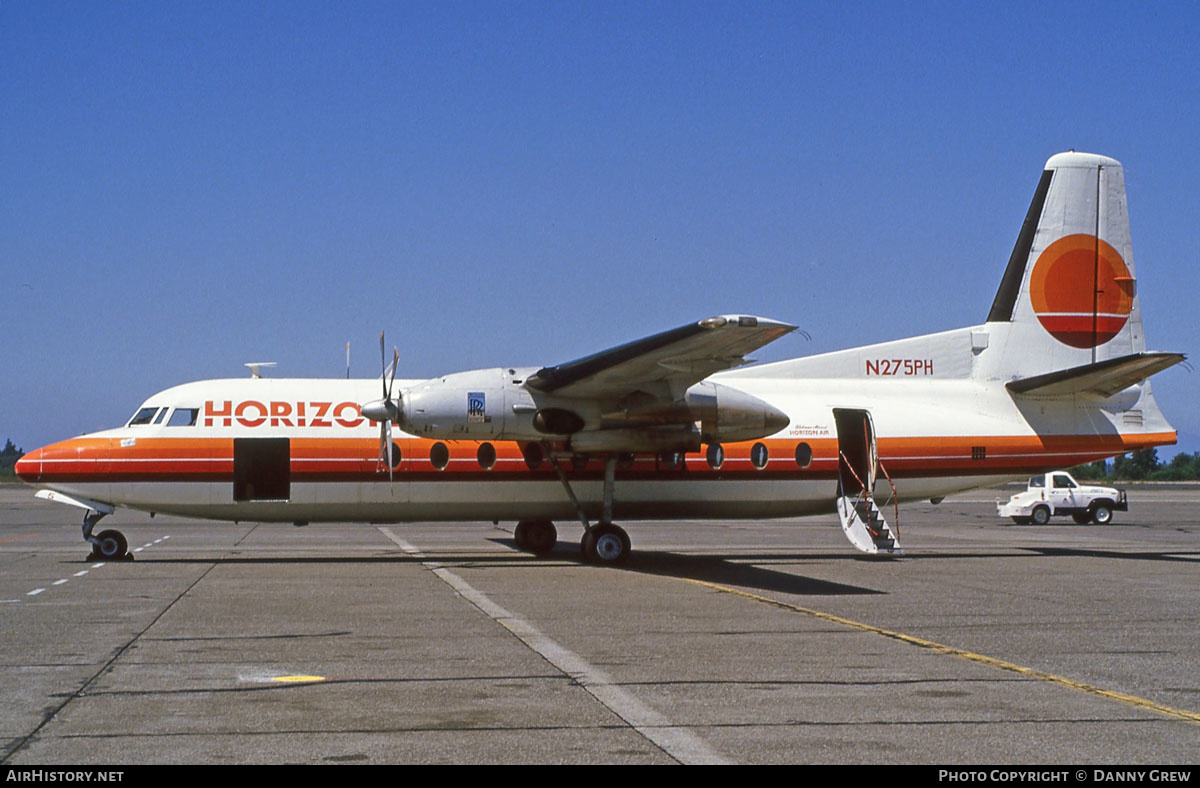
(677, 741)
(83, 572)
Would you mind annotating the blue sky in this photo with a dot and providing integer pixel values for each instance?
(188, 186)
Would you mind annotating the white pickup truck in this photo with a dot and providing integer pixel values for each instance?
(1057, 493)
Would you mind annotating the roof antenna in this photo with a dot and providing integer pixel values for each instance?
(256, 367)
(347, 361)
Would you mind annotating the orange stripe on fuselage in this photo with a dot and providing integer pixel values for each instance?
(330, 459)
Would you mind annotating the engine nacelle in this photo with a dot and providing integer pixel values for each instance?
(467, 405)
(492, 404)
(728, 415)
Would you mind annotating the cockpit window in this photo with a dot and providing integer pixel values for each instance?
(184, 417)
(162, 414)
(143, 416)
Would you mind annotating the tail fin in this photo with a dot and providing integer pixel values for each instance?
(1069, 294)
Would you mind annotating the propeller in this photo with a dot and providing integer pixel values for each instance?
(386, 410)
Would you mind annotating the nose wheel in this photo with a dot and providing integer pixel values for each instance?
(109, 545)
(112, 546)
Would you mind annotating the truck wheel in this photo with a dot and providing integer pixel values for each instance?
(1040, 515)
(1082, 518)
(1021, 520)
(1102, 514)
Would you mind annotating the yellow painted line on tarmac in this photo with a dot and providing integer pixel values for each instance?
(982, 659)
(298, 679)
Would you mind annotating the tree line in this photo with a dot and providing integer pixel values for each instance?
(1142, 465)
(9, 457)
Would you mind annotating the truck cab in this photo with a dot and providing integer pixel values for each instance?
(1057, 493)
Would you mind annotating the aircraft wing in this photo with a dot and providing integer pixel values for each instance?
(672, 360)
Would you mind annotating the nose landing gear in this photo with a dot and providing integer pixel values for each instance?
(109, 545)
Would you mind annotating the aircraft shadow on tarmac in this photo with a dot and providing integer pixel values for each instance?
(731, 570)
(726, 570)
(721, 570)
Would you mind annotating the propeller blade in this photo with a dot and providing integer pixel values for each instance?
(382, 366)
(395, 363)
(388, 426)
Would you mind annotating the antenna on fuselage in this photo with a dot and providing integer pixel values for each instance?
(256, 367)
(347, 361)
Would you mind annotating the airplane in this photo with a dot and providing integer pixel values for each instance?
(674, 425)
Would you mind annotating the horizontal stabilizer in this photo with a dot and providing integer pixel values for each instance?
(1103, 377)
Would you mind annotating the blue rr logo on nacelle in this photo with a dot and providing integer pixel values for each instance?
(476, 406)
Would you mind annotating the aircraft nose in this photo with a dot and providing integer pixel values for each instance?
(29, 467)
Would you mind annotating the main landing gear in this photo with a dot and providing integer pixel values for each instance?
(605, 542)
(602, 543)
(109, 545)
(536, 536)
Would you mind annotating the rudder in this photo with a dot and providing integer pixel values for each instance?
(1069, 294)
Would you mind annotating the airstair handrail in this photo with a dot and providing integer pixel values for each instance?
(895, 524)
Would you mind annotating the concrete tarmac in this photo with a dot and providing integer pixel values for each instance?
(756, 642)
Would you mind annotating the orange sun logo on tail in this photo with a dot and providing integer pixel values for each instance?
(1061, 289)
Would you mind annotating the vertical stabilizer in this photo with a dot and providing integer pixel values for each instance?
(1069, 295)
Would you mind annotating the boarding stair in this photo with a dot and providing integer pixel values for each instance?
(862, 520)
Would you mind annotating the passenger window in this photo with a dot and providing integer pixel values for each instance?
(533, 455)
(143, 416)
(758, 455)
(486, 456)
(183, 417)
(804, 455)
(439, 455)
(715, 455)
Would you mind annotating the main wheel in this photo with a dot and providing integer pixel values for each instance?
(540, 537)
(112, 545)
(605, 544)
(1102, 514)
(521, 535)
(1040, 515)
